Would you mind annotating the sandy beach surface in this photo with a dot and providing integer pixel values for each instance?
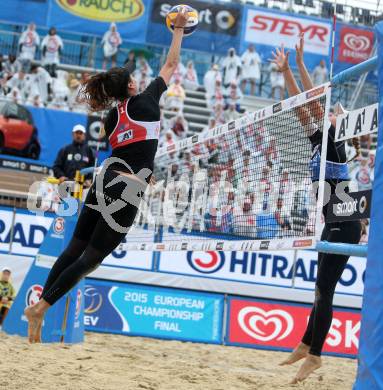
(113, 362)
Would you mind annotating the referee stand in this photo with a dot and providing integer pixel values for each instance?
(64, 322)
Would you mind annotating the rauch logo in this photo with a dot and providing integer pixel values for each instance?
(104, 10)
(265, 325)
(206, 262)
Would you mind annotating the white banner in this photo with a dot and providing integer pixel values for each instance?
(29, 231)
(19, 266)
(275, 29)
(268, 268)
(359, 122)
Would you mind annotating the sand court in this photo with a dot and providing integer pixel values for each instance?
(114, 362)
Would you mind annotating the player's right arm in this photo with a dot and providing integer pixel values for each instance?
(314, 107)
(303, 72)
(173, 57)
(281, 59)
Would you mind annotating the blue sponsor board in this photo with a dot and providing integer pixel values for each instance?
(82, 16)
(218, 29)
(370, 370)
(264, 268)
(64, 321)
(55, 131)
(152, 311)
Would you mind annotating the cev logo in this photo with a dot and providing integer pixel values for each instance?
(94, 298)
(357, 43)
(104, 10)
(257, 322)
(206, 262)
(33, 294)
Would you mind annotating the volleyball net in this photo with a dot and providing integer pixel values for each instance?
(245, 185)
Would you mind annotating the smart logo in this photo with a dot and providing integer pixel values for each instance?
(206, 262)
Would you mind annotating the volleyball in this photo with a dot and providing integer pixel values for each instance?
(192, 23)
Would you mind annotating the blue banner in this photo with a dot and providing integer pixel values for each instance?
(65, 320)
(370, 370)
(31, 11)
(153, 311)
(218, 29)
(82, 16)
(54, 131)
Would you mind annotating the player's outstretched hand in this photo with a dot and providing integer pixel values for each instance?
(281, 59)
(300, 48)
(181, 18)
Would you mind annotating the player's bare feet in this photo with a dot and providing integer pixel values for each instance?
(38, 332)
(300, 352)
(35, 316)
(310, 364)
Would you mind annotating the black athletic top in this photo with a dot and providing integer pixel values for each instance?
(143, 107)
(336, 160)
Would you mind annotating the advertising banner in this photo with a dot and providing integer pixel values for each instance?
(55, 131)
(30, 231)
(82, 16)
(31, 10)
(355, 123)
(276, 325)
(353, 206)
(356, 44)
(152, 311)
(266, 268)
(36, 153)
(268, 29)
(55, 326)
(218, 29)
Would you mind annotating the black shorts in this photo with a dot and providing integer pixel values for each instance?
(104, 227)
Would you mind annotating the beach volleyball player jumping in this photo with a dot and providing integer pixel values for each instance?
(330, 266)
(132, 126)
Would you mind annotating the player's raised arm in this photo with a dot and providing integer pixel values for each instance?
(173, 57)
(281, 59)
(315, 108)
(303, 72)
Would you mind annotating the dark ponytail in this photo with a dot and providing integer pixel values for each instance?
(356, 145)
(103, 89)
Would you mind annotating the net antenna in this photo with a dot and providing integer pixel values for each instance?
(334, 22)
(245, 185)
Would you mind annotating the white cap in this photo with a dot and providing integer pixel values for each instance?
(79, 128)
(6, 269)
